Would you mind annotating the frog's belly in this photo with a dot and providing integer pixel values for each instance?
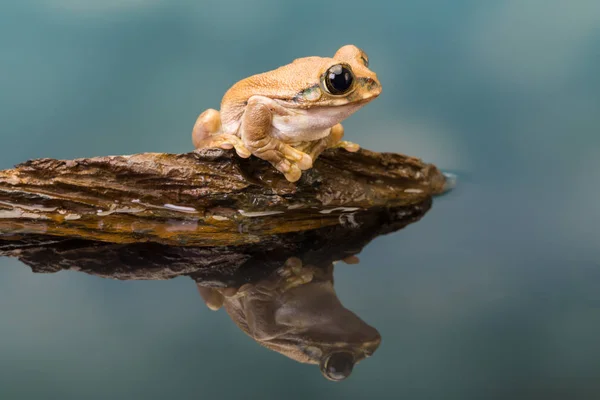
(298, 134)
(302, 125)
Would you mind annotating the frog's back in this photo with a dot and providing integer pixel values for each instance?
(283, 83)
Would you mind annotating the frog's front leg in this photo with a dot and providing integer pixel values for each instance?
(333, 140)
(207, 133)
(256, 134)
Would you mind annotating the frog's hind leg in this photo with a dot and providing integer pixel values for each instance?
(207, 133)
(208, 125)
(212, 297)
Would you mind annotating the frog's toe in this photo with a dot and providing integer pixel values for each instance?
(294, 274)
(292, 266)
(349, 146)
(293, 174)
(242, 151)
(283, 166)
(301, 278)
(306, 162)
(232, 141)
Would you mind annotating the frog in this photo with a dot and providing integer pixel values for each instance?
(295, 311)
(290, 115)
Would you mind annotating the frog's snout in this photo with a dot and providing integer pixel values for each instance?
(372, 87)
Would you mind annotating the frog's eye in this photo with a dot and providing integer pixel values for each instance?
(338, 79)
(337, 366)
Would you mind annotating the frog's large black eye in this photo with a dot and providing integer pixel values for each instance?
(337, 366)
(338, 79)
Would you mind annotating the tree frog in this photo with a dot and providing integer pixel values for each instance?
(297, 313)
(289, 115)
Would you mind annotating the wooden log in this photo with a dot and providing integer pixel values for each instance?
(203, 198)
(219, 266)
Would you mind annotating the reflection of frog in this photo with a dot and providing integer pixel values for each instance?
(288, 116)
(296, 312)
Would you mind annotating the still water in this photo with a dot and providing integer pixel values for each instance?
(493, 294)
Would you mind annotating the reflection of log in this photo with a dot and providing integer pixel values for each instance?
(207, 198)
(210, 266)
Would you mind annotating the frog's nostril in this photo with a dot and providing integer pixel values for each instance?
(372, 85)
(377, 88)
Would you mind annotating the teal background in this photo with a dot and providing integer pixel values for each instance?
(494, 294)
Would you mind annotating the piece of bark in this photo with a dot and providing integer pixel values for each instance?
(204, 198)
(221, 266)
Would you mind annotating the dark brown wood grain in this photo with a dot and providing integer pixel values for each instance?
(203, 198)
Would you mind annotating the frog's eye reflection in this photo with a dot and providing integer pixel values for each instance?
(337, 366)
(338, 79)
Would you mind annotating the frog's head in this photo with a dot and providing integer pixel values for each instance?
(343, 80)
(318, 329)
(297, 313)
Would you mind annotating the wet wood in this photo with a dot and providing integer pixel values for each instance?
(204, 198)
(218, 266)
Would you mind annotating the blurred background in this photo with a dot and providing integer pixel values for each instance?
(494, 294)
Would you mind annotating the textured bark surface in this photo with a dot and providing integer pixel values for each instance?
(219, 266)
(204, 198)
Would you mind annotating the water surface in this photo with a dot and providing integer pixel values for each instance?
(493, 294)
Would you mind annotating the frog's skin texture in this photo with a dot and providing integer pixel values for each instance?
(289, 115)
(296, 312)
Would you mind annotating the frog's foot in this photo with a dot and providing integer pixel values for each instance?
(348, 146)
(286, 159)
(207, 134)
(256, 135)
(225, 141)
(293, 162)
(293, 274)
(335, 139)
(315, 148)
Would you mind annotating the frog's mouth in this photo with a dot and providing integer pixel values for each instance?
(352, 100)
(314, 351)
